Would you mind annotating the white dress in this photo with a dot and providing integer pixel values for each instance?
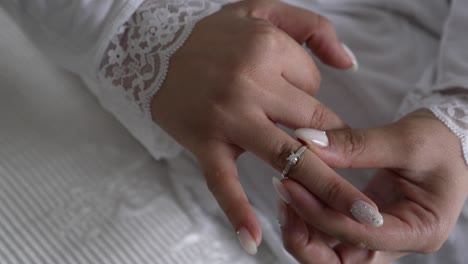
(408, 52)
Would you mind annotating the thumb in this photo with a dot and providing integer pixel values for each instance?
(219, 167)
(355, 148)
(314, 30)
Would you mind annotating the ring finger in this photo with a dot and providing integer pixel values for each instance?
(274, 146)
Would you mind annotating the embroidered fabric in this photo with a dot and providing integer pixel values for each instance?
(451, 109)
(136, 63)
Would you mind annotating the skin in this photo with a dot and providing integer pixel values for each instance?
(242, 72)
(420, 188)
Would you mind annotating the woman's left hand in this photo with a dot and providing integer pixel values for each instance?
(420, 188)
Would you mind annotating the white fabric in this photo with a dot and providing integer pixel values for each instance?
(73, 33)
(452, 61)
(136, 62)
(76, 188)
(368, 98)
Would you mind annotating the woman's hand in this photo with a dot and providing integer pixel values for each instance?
(242, 71)
(420, 189)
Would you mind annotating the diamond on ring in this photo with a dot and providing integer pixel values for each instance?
(293, 159)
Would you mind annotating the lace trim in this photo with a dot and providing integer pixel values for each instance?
(137, 59)
(136, 62)
(452, 110)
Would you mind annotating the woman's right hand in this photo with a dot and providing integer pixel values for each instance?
(241, 72)
(421, 187)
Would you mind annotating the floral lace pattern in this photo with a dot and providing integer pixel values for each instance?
(137, 58)
(136, 62)
(452, 110)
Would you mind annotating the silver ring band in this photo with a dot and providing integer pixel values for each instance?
(293, 159)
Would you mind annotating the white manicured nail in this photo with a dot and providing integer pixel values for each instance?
(366, 213)
(282, 214)
(314, 136)
(246, 241)
(281, 190)
(351, 55)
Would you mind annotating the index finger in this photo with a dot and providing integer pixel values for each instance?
(396, 235)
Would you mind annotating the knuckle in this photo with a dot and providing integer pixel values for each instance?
(333, 192)
(360, 241)
(214, 180)
(349, 239)
(265, 37)
(324, 27)
(260, 43)
(357, 243)
(259, 8)
(238, 75)
(318, 117)
(354, 144)
(213, 185)
(317, 80)
(324, 23)
(295, 243)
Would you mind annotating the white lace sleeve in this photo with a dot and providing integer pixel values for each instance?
(435, 91)
(451, 109)
(136, 62)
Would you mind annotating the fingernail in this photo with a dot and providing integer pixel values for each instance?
(351, 55)
(282, 214)
(281, 190)
(314, 136)
(246, 241)
(366, 213)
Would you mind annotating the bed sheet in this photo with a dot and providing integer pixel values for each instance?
(75, 187)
